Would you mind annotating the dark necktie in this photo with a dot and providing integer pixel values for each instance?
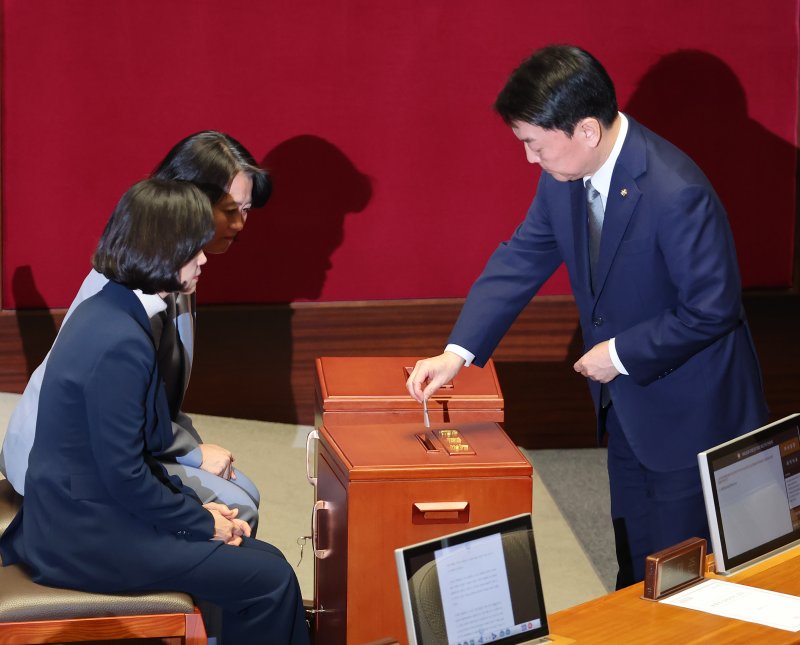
(170, 356)
(596, 215)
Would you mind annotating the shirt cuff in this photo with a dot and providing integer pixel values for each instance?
(192, 458)
(612, 350)
(463, 353)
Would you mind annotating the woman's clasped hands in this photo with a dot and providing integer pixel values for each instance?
(227, 528)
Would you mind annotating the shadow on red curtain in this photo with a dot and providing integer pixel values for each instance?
(696, 101)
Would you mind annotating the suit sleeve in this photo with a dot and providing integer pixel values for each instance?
(185, 442)
(116, 394)
(513, 275)
(699, 253)
(21, 429)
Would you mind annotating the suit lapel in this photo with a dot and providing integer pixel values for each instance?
(157, 428)
(186, 307)
(623, 196)
(621, 204)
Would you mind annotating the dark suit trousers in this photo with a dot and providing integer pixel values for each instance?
(650, 510)
(255, 587)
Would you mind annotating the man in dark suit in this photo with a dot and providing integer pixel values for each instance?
(668, 354)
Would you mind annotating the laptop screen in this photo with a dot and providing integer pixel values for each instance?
(475, 586)
(751, 486)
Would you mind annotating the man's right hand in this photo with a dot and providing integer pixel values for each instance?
(431, 373)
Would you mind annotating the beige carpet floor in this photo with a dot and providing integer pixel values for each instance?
(274, 456)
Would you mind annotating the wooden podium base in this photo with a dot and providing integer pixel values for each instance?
(379, 488)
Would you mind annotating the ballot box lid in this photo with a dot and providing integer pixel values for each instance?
(370, 383)
(412, 451)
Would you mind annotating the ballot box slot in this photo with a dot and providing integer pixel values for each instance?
(427, 442)
(451, 439)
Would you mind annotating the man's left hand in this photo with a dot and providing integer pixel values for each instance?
(596, 364)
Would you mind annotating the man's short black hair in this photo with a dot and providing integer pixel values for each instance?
(157, 227)
(555, 88)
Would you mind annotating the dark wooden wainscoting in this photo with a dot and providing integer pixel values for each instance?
(258, 361)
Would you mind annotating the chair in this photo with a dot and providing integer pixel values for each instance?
(31, 613)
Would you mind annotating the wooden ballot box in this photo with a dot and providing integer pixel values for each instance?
(351, 390)
(381, 487)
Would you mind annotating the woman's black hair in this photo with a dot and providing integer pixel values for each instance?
(211, 160)
(157, 227)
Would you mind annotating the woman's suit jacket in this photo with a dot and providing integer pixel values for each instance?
(21, 428)
(669, 292)
(100, 513)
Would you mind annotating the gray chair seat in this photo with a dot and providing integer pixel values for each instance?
(24, 601)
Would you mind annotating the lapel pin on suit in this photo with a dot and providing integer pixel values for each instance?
(624, 192)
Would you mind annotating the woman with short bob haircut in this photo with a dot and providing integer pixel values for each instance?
(155, 230)
(229, 176)
(100, 512)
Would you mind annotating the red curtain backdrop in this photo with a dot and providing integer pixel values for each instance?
(393, 177)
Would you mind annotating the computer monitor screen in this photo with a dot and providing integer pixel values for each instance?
(475, 586)
(751, 486)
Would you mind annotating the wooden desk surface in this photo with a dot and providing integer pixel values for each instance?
(623, 617)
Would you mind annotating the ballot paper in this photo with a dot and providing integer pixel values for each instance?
(732, 600)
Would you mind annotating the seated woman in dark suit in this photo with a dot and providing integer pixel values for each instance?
(229, 176)
(100, 512)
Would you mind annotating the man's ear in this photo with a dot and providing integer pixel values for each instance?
(589, 131)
